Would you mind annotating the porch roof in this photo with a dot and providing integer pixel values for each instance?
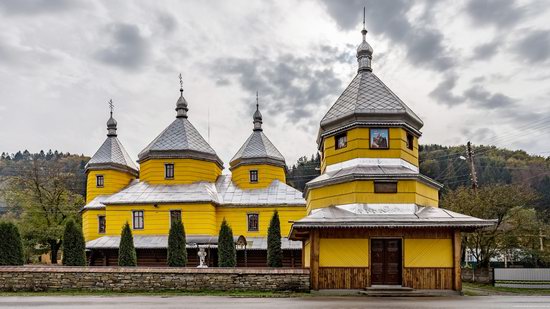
(387, 216)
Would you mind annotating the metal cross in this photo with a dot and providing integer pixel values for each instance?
(111, 106)
(181, 81)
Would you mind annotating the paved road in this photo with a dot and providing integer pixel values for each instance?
(207, 302)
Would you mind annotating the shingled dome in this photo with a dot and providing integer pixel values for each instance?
(180, 140)
(258, 149)
(367, 100)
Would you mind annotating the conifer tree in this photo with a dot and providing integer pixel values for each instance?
(74, 247)
(227, 254)
(177, 253)
(274, 251)
(126, 250)
(11, 248)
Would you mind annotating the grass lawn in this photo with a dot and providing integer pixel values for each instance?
(478, 289)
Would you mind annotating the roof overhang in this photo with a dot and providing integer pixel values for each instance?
(111, 166)
(180, 154)
(256, 161)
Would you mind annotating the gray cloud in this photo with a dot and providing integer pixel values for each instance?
(423, 44)
(29, 7)
(168, 22)
(501, 13)
(534, 47)
(129, 49)
(443, 92)
(486, 51)
(290, 86)
(480, 97)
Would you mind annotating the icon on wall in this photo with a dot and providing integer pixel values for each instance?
(379, 138)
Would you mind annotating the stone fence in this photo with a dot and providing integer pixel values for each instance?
(57, 278)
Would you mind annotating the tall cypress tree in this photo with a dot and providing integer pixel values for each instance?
(126, 250)
(274, 251)
(74, 247)
(11, 248)
(177, 253)
(227, 254)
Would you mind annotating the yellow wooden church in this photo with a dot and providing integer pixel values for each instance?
(371, 218)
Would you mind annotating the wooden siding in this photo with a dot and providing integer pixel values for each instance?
(266, 175)
(343, 277)
(186, 171)
(428, 278)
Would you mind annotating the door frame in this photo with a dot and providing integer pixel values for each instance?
(401, 238)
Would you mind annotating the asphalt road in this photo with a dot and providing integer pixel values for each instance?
(208, 302)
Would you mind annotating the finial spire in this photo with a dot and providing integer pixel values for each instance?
(257, 116)
(181, 105)
(364, 51)
(111, 123)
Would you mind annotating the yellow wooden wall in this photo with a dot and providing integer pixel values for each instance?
(428, 252)
(408, 191)
(307, 253)
(114, 181)
(198, 219)
(186, 171)
(237, 218)
(90, 227)
(359, 147)
(266, 174)
(342, 252)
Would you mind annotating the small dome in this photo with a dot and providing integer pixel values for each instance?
(111, 122)
(181, 106)
(364, 48)
(257, 115)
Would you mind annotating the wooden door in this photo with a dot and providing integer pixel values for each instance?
(386, 261)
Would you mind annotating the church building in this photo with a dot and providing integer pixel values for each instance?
(372, 218)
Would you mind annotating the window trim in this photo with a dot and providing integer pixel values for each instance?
(370, 140)
(385, 182)
(104, 224)
(339, 135)
(97, 177)
(170, 215)
(250, 172)
(134, 220)
(166, 170)
(248, 214)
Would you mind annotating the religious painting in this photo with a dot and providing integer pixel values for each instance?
(379, 138)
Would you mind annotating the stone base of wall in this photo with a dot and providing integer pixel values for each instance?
(59, 278)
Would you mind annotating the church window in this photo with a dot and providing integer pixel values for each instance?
(137, 219)
(341, 140)
(253, 220)
(101, 224)
(385, 187)
(99, 181)
(410, 141)
(254, 176)
(175, 216)
(169, 171)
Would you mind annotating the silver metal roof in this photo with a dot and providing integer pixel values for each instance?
(180, 140)
(368, 98)
(387, 215)
(112, 153)
(278, 193)
(256, 150)
(223, 192)
(161, 242)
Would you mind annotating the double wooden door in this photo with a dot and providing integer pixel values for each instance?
(386, 262)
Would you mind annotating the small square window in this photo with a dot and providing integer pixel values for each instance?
(253, 225)
(253, 176)
(175, 216)
(169, 171)
(101, 224)
(341, 140)
(99, 181)
(137, 219)
(410, 141)
(385, 187)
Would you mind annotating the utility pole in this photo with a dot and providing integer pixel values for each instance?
(470, 154)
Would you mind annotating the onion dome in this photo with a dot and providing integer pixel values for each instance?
(367, 101)
(257, 149)
(180, 140)
(111, 154)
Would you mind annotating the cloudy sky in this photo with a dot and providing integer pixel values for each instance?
(472, 70)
